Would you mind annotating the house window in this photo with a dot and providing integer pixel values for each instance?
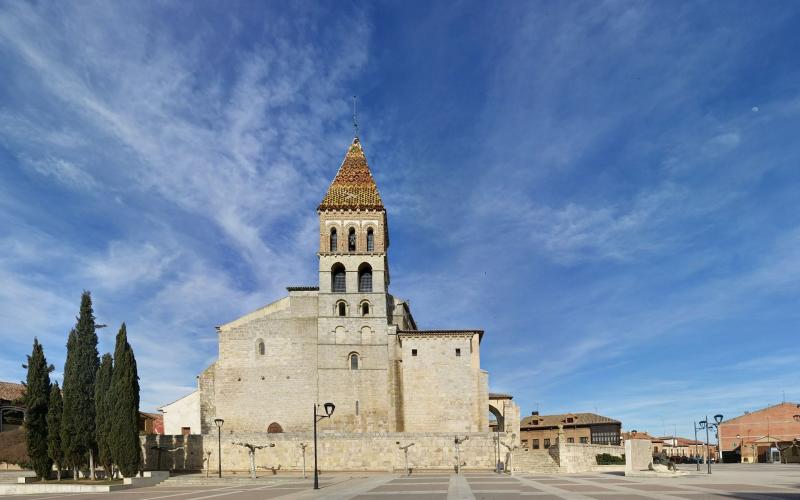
(547, 443)
(570, 440)
(261, 348)
(570, 420)
(584, 440)
(354, 361)
(274, 428)
(535, 444)
(338, 278)
(365, 278)
(356, 407)
(413, 352)
(351, 240)
(186, 431)
(364, 308)
(370, 240)
(524, 443)
(341, 308)
(458, 352)
(334, 240)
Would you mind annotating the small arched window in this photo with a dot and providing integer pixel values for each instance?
(341, 309)
(274, 428)
(260, 349)
(351, 240)
(365, 308)
(338, 278)
(354, 361)
(334, 240)
(365, 278)
(370, 240)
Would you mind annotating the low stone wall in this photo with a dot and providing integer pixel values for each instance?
(578, 457)
(337, 451)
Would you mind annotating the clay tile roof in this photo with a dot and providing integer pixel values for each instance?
(10, 391)
(353, 188)
(641, 435)
(577, 419)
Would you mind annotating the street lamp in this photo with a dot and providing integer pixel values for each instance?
(329, 407)
(218, 422)
(705, 424)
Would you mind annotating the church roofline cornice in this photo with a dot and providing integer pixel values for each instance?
(433, 333)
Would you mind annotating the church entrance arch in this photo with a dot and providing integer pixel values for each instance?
(274, 428)
(499, 418)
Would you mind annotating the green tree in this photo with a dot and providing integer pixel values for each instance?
(103, 408)
(79, 377)
(37, 396)
(55, 410)
(125, 445)
(69, 445)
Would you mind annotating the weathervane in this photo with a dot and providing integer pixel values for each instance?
(355, 120)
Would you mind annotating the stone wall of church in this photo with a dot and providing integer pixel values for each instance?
(250, 390)
(353, 452)
(439, 384)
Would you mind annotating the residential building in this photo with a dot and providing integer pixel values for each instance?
(759, 436)
(12, 411)
(658, 443)
(540, 431)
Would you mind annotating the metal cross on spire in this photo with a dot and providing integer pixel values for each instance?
(355, 120)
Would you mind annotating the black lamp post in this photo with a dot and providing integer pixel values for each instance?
(219, 422)
(329, 407)
(705, 424)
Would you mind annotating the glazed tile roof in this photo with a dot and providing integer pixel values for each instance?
(353, 188)
(10, 391)
(555, 420)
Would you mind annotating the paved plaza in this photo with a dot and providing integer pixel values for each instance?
(759, 481)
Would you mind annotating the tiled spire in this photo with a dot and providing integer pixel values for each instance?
(353, 188)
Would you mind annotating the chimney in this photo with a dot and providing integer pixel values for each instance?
(534, 413)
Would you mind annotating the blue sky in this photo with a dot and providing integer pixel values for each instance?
(609, 189)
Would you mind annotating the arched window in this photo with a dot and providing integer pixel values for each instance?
(334, 240)
(260, 348)
(351, 240)
(338, 278)
(365, 278)
(274, 428)
(365, 308)
(370, 240)
(341, 308)
(354, 361)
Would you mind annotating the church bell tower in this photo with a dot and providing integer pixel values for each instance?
(353, 324)
(353, 233)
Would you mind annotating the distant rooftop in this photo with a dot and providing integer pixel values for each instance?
(542, 421)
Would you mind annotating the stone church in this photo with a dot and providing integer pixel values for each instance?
(348, 341)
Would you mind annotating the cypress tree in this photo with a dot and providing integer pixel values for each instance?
(37, 396)
(102, 402)
(79, 376)
(69, 443)
(54, 412)
(125, 445)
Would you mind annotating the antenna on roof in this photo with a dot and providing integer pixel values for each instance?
(355, 118)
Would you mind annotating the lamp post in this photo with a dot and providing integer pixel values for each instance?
(697, 458)
(329, 407)
(705, 424)
(218, 422)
